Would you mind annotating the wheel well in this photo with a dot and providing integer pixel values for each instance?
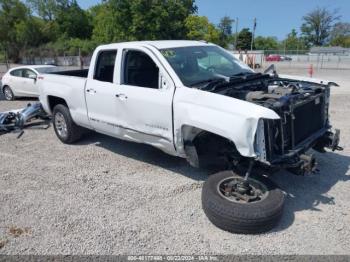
(204, 146)
(54, 101)
(2, 88)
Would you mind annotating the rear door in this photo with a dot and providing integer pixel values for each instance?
(100, 94)
(144, 97)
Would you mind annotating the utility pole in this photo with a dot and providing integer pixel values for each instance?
(236, 35)
(253, 33)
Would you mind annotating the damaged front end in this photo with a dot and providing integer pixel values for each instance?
(17, 120)
(303, 110)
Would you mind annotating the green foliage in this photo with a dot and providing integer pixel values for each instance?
(342, 40)
(199, 28)
(266, 43)
(244, 39)
(340, 35)
(44, 8)
(14, 17)
(73, 21)
(225, 28)
(317, 26)
(293, 42)
(123, 20)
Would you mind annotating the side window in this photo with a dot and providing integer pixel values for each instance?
(105, 66)
(140, 70)
(28, 73)
(17, 72)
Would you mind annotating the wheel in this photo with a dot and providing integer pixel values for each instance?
(8, 94)
(65, 128)
(238, 207)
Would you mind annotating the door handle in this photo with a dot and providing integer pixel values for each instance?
(91, 91)
(121, 96)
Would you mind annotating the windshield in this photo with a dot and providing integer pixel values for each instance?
(198, 64)
(44, 70)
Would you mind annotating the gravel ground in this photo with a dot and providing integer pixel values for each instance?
(106, 196)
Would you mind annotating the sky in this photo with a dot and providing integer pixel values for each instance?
(274, 17)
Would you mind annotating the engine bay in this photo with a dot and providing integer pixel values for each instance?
(273, 92)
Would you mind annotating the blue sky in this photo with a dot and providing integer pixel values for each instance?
(274, 17)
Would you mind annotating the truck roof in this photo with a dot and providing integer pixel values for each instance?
(159, 44)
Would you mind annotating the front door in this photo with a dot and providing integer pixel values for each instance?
(145, 97)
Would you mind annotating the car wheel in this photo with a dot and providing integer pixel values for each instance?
(254, 208)
(8, 94)
(65, 128)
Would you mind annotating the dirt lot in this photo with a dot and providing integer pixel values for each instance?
(106, 196)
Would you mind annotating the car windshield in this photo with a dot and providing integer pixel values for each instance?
(199, 64)
(45, 70)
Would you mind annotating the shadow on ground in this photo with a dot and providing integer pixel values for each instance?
(308, 192)
(302, 192)
(145, 153)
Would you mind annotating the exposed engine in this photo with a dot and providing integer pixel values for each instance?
(274, 92)
(302, 107)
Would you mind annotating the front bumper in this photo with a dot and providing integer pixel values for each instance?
(300, 163)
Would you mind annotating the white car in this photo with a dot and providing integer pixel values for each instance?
(22, 81)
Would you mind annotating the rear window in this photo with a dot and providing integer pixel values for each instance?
(104, 70)
(17, 72)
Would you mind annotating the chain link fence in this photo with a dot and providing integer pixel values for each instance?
(288, 58)
(303, 59)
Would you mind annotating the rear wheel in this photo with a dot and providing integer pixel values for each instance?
(8, 94)
(240, 206)
(65, 128)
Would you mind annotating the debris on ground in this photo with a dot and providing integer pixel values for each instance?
(17, 231)
(3, 243)
(17, 120)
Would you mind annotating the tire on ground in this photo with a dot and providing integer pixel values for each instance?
(245, 218)
(74, 132)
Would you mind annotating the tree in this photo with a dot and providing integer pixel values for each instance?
(244, 39)
(317, 26)
(199, 28)
(340, 35)
(266, 43)
(120, 20)
(225, 28)
(73, 21)
(45, 9)
(13, 18)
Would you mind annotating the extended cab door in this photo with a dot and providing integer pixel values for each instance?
(100, 91)
(145, 97)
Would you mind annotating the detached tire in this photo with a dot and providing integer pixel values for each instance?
(65, 128)
(235, 215)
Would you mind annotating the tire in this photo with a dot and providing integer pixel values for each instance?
(65, 128)
(242, 217)
(8, 93)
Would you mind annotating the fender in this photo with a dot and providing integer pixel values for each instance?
(228, 117)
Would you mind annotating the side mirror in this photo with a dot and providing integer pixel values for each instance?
(163, 82)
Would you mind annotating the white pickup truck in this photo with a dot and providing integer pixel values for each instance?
(195, 100)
